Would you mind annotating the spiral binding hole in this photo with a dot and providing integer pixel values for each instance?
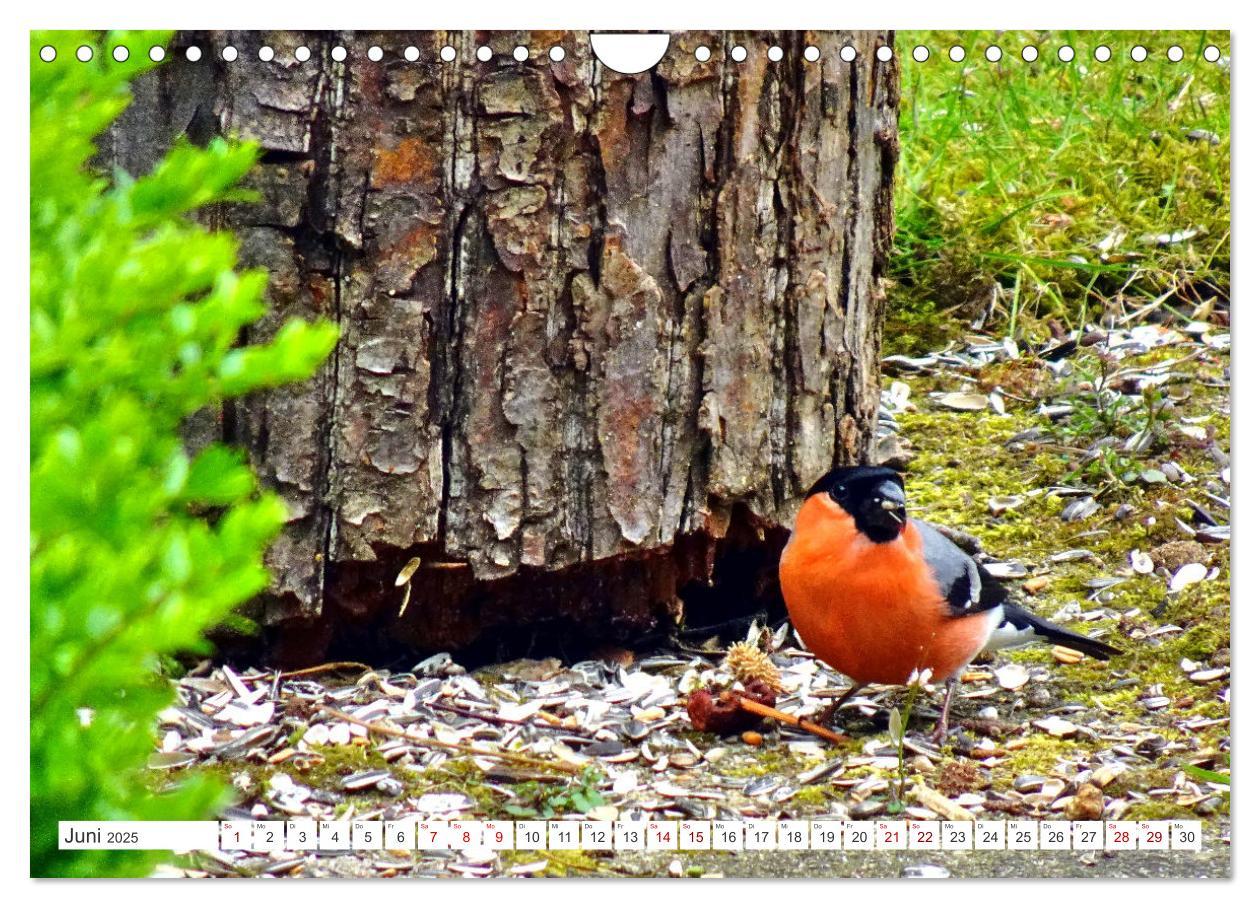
(1102, 53)
(157, 54)
(920, 54)
(121, 54)
(302, 53)
(192, 54)
(485, 54)
(375, 54)
(229, 53)
(447, 54)
(703, 54)
(1067, 54)
(411, 53)
(739, 53)
(1138, 54)
(48, 53)
(812, 54)
(775, 53)
(1211, 53)
(520, 53)
(884, 53)
(266, 53)
(848, 53)
(957, 54)
(1175, 54)
(1030, 53)
(993, 53)
(339, 54)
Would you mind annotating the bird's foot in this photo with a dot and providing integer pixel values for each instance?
(942, 724)
(939, 733)
(826, 717)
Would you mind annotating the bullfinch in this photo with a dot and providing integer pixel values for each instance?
(881, 597)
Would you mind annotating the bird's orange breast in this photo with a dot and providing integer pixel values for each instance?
(873, 611)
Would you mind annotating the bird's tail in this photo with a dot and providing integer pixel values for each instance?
(1052, 633)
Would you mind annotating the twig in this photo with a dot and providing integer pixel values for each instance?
(391, 731)
(770, 712)
(500, 720)
(313, 670)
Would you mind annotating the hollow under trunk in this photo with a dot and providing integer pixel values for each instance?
(599, 331)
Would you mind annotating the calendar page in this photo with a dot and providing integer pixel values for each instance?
(668, 453)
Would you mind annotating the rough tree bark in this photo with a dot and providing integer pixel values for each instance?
(598, 331)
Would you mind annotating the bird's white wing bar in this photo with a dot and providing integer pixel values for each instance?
(1007, 634)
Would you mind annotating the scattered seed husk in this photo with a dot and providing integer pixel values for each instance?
(1012, 676)
(1035, 585)
(1066, 655)
(1000, 504)
(939, 804)
(1080, 508)
(1007, 570)
(1186, 575)
(1056, 727)
(1207, 676)
(959, 400)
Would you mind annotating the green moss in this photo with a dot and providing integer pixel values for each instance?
(915, 325)
(1159, 809)
(463, 776)
(1038, 755)
(763, 761)
(818, 796)
(1141, 778)
(340, 760)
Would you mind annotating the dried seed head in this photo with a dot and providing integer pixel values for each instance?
(748, 664)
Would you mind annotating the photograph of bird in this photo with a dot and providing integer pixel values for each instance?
(881, 597)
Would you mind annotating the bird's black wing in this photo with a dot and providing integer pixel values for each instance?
(1020, 626)
(966, 586)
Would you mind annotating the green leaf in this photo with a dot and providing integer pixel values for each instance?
(895, 726)
(1206, 775)
(218, 476)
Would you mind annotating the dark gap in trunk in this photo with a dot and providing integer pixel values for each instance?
(691, 591)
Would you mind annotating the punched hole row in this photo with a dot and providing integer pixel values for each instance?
(1030, 53)
(920, 53)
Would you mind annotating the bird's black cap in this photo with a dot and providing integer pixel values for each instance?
(854, 476)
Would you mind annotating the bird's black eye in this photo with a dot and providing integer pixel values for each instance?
(837, 492)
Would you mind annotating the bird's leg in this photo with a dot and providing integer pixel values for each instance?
(942, 724)
(828, 715)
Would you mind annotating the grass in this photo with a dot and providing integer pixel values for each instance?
(1013, 173)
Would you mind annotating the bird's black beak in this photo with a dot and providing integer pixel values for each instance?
(886, 509)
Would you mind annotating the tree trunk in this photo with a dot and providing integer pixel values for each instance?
(599, 332)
